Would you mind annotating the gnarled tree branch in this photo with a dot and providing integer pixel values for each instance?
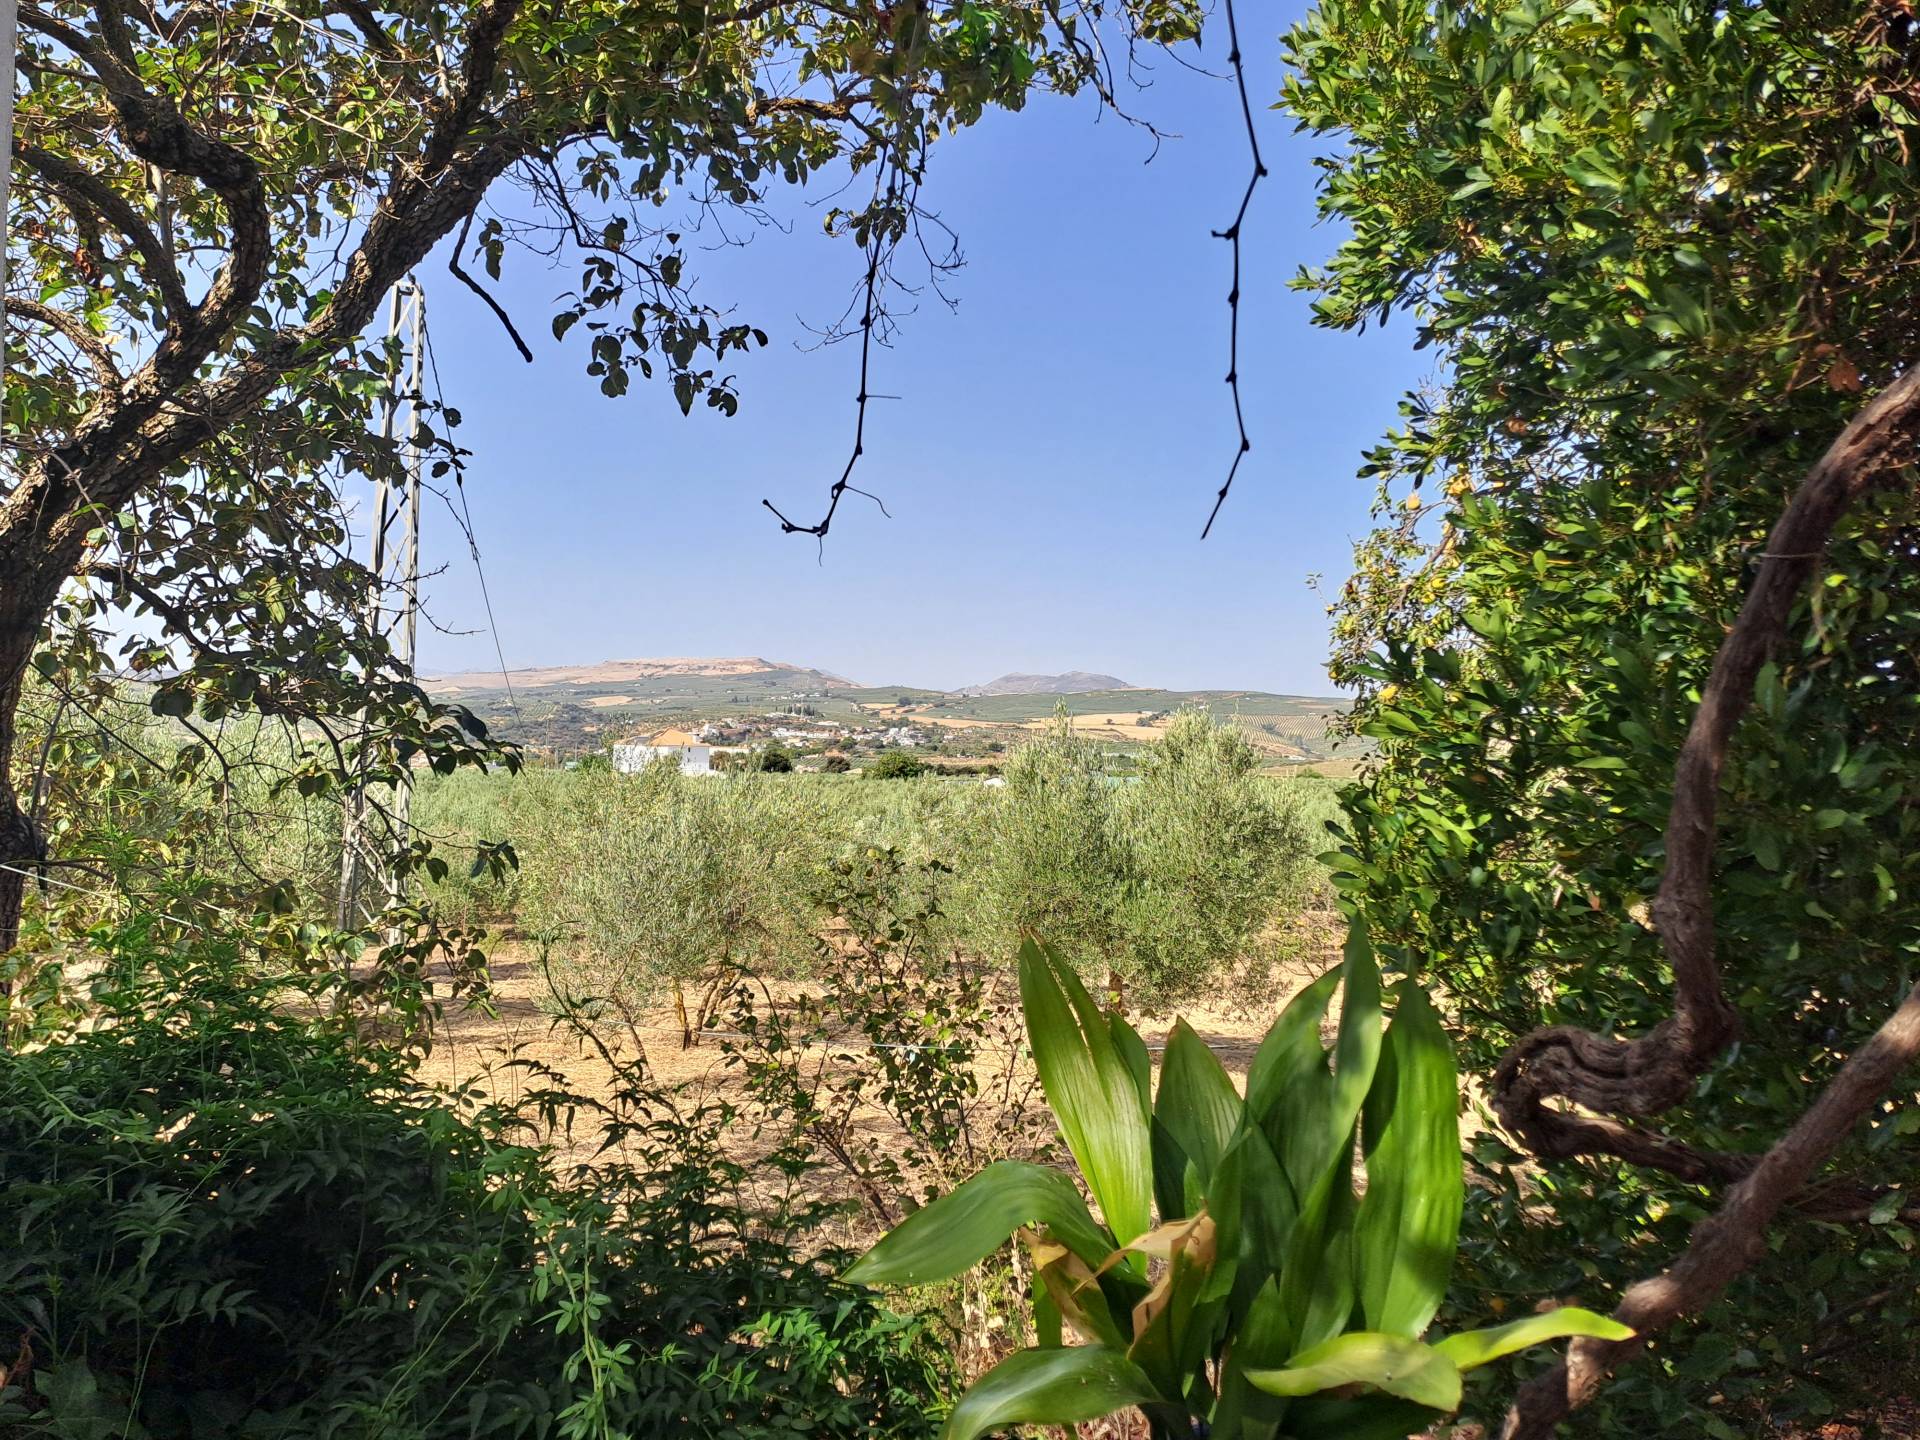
(1645, 1076)
(1642, 1077)
(1727, 1242)
(93, 200)
(78, 335)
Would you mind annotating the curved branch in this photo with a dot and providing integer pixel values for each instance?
(1727, 1242)
(76, 331)
(458, 271)
(1648, 1075)
(1651, 1074)
(79, 188)
(477, 69)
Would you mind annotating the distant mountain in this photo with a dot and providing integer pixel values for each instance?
(1074, 682)
(631, 672)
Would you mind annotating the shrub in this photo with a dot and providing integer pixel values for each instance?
(836, 765)
(224, 1217)
(1172, 877)
(1213, 853)
(1167, 879)
(896, 765)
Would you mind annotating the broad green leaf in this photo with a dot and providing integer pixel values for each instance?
(1194, 1118)
(1133, 1050)
(1473, 1348)
(1409, 1221)
(1259, 1342)
(1254, 1211)
(1312, 1111)
(1391, 1363)
(1316, 1271)
(1316, 1149)
(1367, 1416)
(1048, 1325)
(1049, 1387)
(1289, 1052)
(962, 1228)
(1357, 1051)
(1091, 1086)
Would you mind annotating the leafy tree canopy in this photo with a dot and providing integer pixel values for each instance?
(1663, 254)
(212, 201)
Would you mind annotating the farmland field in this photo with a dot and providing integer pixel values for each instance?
(567, 712)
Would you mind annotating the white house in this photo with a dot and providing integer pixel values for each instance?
(632, 756)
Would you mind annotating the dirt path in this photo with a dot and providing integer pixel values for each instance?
(500, 1057)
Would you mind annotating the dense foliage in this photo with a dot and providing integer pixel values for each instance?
(1170, 879)
(226, 1215)
(1663, 252)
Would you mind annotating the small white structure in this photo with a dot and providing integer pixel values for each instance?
(630, 757)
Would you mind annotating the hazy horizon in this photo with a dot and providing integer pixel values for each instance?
(878, 681)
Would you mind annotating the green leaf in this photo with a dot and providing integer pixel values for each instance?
(1471, 1349)
(1391, 1363)
(1369, 1416)
(962, 1228)
(1128, 1045)
(1194, 1118)
(1289, 1056)
(1253, 1210)
(1091, 1086)
(1409, 1222)
(1259, 1343)
(1306, 1109)
(1049, 1387)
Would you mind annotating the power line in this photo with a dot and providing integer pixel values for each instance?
(473, 543)
(9, 34)
(355, 856)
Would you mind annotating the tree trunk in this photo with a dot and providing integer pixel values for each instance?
(19, 841)
(680, 1014)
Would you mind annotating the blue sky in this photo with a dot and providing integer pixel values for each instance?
(1049, 465)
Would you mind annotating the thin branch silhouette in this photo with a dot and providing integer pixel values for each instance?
(877, 244)
(1232, 236)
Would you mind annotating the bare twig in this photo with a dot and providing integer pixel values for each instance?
(879, 240)
(1232, 236)
(459, 273)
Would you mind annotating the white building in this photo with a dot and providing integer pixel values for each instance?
(632, 756)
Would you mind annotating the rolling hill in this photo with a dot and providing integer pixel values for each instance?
(565, 710)
(595, 677)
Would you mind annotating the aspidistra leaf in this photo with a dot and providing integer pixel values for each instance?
(1473, 1348)
(963, 1227)
(1389, 1363)
(1194, 1119)
(1091, 1086)
(1049, 1387)
(1409, 1221)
